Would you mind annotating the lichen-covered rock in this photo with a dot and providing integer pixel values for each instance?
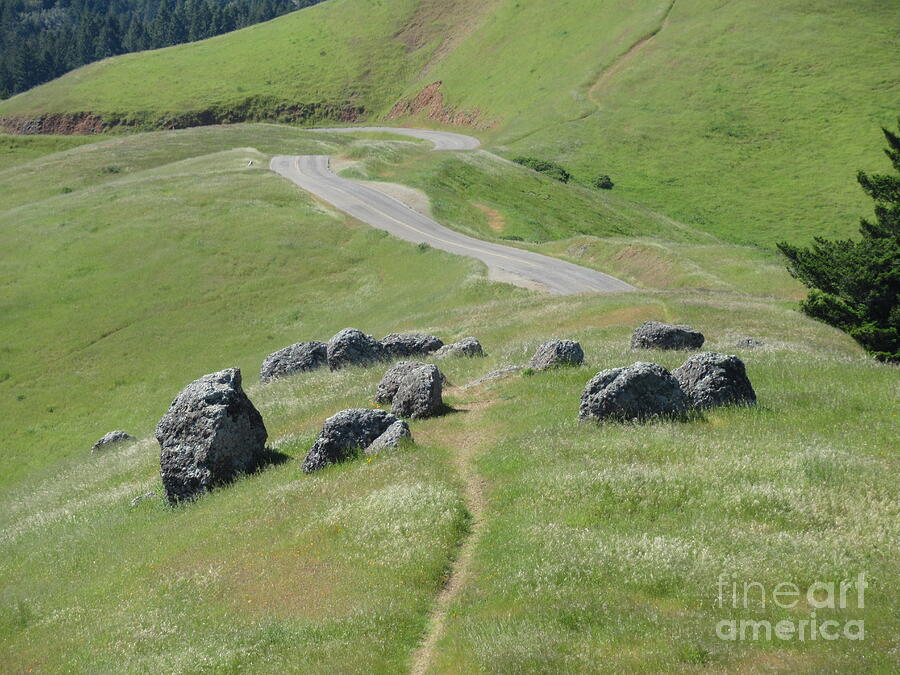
(297, 358)
(711, 380)
(466, 347)
(557, 353)
(390, 382)
(420, 394)
(344, 434)
(656, 335)
(112, 438)
(394, 436)
(352, 347)
(402, 346)
(637, 392)
(211, 434)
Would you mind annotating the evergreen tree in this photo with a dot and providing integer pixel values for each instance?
(855, 285)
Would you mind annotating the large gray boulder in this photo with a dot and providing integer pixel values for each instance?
(419, 394)
(391, 438)
(466, 347)
(347, 432)
(390, 382)
(297, 358)
(352, 347)
(112, 438)
(557, 353)
(711, 380)
(656, 335)
(211, 434)
(402, 346)
(637, 392)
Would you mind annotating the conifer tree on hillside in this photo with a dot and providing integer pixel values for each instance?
(855, 285)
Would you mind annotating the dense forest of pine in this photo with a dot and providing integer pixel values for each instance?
(42, 39)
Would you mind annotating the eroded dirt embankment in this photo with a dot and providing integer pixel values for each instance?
(430, 103)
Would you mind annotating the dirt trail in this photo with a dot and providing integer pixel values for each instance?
(627, 57)
(468, 444)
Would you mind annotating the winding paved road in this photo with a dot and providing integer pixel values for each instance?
(505, 263)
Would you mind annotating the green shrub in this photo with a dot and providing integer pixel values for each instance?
(603, 182)
(544, 166)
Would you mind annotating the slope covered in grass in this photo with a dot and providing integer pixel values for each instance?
(744, 122)
(168, 257)
(337, 60)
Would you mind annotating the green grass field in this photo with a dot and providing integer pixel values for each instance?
(133, 265)
(746, 124)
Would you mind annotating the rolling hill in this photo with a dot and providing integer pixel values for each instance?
(132, 265)
(509, 537)
(744, 122)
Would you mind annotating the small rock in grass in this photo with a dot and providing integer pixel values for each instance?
(352, 347)
(557, 353)
(112, 438)
(469, 346)
(344, 433)
(394, 436)
(211, 434)
(297, 358)
(656, 335)
(419, 394)
(712, 380)
(400, 346)
(638, 392)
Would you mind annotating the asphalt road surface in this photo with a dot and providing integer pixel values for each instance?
(505, 263)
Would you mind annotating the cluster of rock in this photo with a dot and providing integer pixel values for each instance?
(352, 347)
(350, 431)
(211, 434)
(647, 390)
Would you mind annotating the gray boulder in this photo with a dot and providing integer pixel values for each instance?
(352, 347)
(656, 335)
(419, 394)
(466, 347)
(345, 433)
(711, 380)
(390, 382)
(557, 353)
(211, 434)
(297, 358)
(394, 436)
(637, 392)
(401, 346)
(112, 438)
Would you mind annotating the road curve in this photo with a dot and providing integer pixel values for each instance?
(504, 263)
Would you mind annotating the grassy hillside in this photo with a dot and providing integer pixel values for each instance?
(745, 123)
(322, 60)
(133, 265)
